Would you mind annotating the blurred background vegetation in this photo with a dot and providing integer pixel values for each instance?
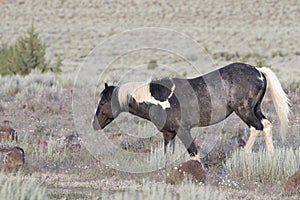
(26, 54)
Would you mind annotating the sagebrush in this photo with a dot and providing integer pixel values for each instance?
(261, 167)
(16, 188)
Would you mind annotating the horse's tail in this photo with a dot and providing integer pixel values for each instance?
(280, 99)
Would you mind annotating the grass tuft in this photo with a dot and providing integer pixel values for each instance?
(158, 190)
(263, 168)
(34, 85)
(16, 188)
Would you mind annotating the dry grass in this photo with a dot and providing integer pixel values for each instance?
(263, 168)
(45, 120)
(15, 187)
(154, 190)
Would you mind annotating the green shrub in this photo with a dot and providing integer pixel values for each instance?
(256, 59)
(260, 62)
(26, 54)
(152, 64)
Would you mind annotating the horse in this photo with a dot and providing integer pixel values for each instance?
(176, 105)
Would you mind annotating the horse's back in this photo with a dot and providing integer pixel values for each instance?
(240, 73)
(220, 92)
(243, 81)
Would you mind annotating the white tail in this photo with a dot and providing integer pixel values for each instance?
(280, 100)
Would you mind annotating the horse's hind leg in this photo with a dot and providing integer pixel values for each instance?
(169, 137)
(253, 135)
(267, 128)
(173, 145)
(268, 135)
(254, 122)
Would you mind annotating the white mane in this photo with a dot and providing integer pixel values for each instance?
(140, 91)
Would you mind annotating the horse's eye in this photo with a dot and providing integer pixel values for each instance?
(102, 103)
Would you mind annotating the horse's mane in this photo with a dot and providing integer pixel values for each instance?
(140, 91)
(155, 92)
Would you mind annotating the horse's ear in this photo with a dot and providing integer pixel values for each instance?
(106, 86)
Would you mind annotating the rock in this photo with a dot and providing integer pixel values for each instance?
(72, 138)
(11, 157)
(191, 170)
(73, 147)
(115, 135)
(293, 183)
(70, 142)
(8, 134)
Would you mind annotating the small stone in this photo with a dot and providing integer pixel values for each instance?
(11, 158)
(191, 170)
(293, 183)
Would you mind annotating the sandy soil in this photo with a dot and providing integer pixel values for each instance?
(72, 28)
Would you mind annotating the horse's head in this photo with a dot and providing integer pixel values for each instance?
(104, 114)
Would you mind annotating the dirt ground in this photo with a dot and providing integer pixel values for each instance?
(225, 30)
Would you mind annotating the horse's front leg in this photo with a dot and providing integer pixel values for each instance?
(169, 136)
(173, 145)
(186, 138)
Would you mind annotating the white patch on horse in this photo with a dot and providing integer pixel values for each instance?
(261, 77)
(267, 131)
(126, 90)
(196, 157)
(253, 135)
(172, 91)
(165, 104)
(143, 94)
(140, 91)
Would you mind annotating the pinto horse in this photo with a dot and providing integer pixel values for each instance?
(176, 105)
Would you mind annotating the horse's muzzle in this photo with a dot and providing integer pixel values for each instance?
(95, 124)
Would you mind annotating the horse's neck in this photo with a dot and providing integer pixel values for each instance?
(139, 109)
(116, 105)
(126, 92)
